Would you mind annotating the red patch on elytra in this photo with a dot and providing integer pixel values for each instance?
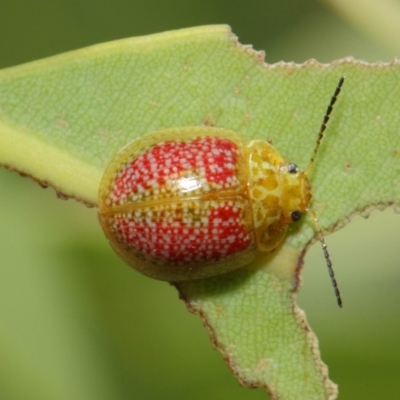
(177, 242)
(213, 158)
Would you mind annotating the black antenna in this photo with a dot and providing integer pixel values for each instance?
(324, 123)
(311, 212)
(327, 259)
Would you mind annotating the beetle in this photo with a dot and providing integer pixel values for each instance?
(194, 202)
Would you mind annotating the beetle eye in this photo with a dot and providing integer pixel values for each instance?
(296, 216)
(293, 169)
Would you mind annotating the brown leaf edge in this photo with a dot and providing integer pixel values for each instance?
(44, 184)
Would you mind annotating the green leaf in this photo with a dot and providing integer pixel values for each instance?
(63, 118)
(262, 335)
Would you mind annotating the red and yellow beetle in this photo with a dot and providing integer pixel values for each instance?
(194, 202)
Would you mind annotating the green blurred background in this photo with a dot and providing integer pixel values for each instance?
(76, 323)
